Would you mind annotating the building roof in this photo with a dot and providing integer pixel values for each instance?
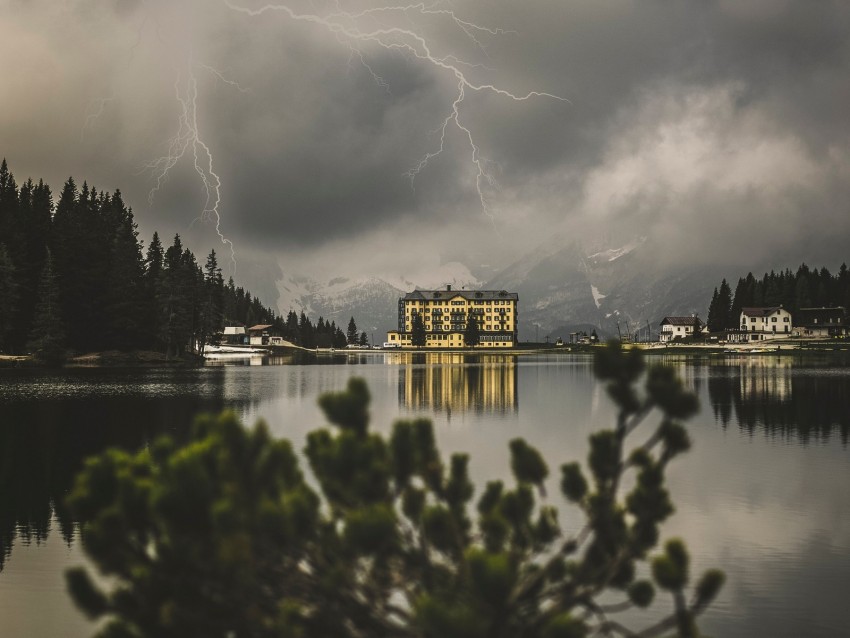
(680, 321)
(761, 312)
(819, 316)
(469, 295)
(234, 330)
(259, 327)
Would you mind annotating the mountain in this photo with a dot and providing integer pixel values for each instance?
(372, 301)
(562, 288)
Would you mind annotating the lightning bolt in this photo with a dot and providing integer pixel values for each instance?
(348, 27)
(93, 112)
(218, 74)
(188, 139)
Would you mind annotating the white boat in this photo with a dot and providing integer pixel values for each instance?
(217, 352)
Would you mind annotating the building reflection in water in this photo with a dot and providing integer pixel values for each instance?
(768, 393)
(457, 382)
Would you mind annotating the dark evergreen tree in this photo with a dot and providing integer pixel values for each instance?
(47, 339)
(31, 229)
(364, 340)
(125, 299)
(228, 535)
(418, 335)
(472, 332)
(352, 333)
(697, 328)
(212, 310)
(292, 327)
(724, 307)
(772, 290)
(306, 331)
(802, 292)
(176, 299)
(715, 324)
(743, 297)
(9, 297)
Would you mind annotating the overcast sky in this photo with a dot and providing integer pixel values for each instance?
(717, 128)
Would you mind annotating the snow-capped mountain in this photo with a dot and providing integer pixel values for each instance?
(372, 301)
(618, 288)
(562, 287)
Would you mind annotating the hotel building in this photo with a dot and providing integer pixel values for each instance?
(445, 312)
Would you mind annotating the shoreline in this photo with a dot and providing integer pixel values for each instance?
(152, 359)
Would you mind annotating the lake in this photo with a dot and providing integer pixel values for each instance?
(763, 494)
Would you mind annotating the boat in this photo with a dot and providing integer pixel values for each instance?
(220, 352)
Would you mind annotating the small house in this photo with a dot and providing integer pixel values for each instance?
(820, 322)
(261, 334)
(679, 328)
(762, 324)
(234, 336)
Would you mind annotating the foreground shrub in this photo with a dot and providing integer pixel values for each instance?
(224, 536)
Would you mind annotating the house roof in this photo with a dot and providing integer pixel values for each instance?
(234, 330)
(819, 316)
(264, 326)
(679, 321)
(469, 295)
(761, 312)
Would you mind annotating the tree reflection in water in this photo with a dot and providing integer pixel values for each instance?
(781, 397)
(44, 441)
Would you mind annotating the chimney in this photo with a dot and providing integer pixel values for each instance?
(448, 287)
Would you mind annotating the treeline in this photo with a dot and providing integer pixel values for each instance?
(74, 277)
(806, 288)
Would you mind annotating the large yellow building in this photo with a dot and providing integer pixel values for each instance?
(445, 313)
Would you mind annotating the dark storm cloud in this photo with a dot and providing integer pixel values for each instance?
(685, 121)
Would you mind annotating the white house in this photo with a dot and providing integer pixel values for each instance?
(234, 335)
(761, 324)
(678, 328)
(260, 334)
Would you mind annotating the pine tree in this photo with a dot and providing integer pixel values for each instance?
(472, 333)
(418, 336)
(31, 225)
(47, 339)
(802, 293)
(292, 327)
(724, 307)
(212, 309)
(364, 340)
(306, 331)
(697, 328)
(125, 299)
(352, 333)
(9, 297)
(714, 321)
(218, 531)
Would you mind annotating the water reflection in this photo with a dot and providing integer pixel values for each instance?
(454, 382)
(772, 512)
(778, 396)
(49, 424)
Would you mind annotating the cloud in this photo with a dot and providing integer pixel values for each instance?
(697, 124)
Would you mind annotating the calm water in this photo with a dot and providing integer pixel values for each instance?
(763, 494)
